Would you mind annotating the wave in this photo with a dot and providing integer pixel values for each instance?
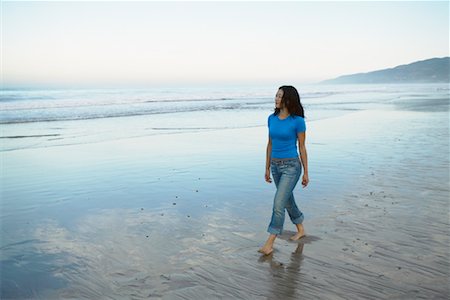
(27, 136)
(72, 115)
(58, 105)
(28, 103)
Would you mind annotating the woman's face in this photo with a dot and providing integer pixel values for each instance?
(278, 98)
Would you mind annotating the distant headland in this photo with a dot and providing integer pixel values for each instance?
(434, 70)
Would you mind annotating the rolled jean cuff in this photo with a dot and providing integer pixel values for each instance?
(298, 220)
(272, 230)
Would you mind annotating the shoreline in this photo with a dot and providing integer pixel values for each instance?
(172, 216)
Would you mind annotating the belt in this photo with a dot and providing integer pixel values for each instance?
(284, 159)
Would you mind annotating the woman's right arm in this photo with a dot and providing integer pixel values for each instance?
(268, 156)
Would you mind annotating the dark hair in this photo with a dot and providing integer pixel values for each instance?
(291, 100)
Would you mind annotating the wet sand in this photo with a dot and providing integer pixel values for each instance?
(182, 216)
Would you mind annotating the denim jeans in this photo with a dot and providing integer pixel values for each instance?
(286, 174)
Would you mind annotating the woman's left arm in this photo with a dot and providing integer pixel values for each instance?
(303, 157)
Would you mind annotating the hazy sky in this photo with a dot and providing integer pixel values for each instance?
(202, 43)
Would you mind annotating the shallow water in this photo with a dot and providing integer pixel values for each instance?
(47, 118)
(178, 216)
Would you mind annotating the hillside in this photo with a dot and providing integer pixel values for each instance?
(432, 70)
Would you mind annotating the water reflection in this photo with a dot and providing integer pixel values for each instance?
(285, 277)
(126, 253)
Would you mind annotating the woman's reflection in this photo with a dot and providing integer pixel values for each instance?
(286, 278)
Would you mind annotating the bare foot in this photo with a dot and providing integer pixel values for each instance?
(268, 246)
(299, 234)
(266, 250)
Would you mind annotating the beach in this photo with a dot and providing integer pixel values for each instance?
(181, 214)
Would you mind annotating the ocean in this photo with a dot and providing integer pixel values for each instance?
(32, 118)
(160, 193)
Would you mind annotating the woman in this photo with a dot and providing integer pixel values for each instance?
(286, 127)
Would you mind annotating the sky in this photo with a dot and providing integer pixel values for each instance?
(140, 44)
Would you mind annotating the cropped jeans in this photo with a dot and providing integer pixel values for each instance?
(286, 173)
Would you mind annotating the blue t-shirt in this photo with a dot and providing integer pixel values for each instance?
(284, 135)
